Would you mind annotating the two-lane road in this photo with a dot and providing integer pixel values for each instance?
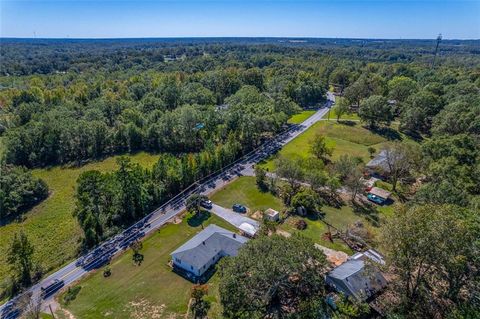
(98, 257)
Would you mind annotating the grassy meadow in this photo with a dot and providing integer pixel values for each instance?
(300, 117)
(150, 290)
(345, 138)
(348, 116)
(50, 226)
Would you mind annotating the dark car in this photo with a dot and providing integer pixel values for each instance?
(206, 204)
(239, 208)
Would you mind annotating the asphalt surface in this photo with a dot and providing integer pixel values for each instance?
(236, 219)
(106, 251)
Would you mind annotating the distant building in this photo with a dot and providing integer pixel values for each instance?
(205, 249)
(357, 278)
(272, 215)
(379, 164)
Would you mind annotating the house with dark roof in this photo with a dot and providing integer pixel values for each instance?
(379, 164)
(357, 277)
(205, 249)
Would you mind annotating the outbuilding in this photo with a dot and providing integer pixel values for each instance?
(271, 215)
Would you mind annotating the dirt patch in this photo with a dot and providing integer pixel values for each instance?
(143, 309)
(283, 233)
(258, 215)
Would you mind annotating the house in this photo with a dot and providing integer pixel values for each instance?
(201, 252)
(271, 215)
(378, 195)
(357, 277)
(379, 164)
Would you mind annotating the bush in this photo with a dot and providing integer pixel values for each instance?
(107, 272)
(71, 294)
(301, 224)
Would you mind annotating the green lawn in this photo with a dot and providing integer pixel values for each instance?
(151, 290)
(345, 139)
(300, 117)
(349, 116)
(50, 225)
(244, 191)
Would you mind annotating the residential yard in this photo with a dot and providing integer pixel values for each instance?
(301, 117)
(345, 138)
(150, 290)
(50, 226)
(244, 191)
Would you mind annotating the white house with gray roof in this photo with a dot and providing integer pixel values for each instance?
(202, 251)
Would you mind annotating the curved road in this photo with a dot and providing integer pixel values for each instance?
(102, 254)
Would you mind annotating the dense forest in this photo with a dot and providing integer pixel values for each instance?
(202, 103)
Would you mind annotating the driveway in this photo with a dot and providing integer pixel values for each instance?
(233, 218)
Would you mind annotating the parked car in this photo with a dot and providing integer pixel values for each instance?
(376, 199)
(239, 208)
(206, 204)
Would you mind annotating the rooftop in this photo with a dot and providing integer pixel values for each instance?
(208, 243)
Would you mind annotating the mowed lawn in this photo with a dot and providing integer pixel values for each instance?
(50, 225)
(301, 117)
(352, 139)
(244, 191)
(347, 116)
(150, 290)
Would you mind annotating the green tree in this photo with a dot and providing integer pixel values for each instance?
(433, 252)
(194, 202)
(20, 259)
(342, 106)
(200, 305)
(375, 110)
(319, 148)
(273, 276)
(401, 87)
(307, 200)
(137, 257)
(402, 160)
(261, 178)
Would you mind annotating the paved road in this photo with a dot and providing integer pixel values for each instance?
(102, 254)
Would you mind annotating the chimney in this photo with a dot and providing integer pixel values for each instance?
(234, 235)
(203, 242)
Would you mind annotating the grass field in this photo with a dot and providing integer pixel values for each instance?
(50, 225)
(244, 191)
(348, 116)
(345, 139)
(300, 117)
(151, 290)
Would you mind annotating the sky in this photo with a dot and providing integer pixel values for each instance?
(401, 19)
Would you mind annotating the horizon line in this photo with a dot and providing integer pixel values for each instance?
(231, 37)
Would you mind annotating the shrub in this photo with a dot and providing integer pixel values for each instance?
(301, 224)
(71, 294)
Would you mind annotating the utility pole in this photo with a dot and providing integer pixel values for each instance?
(439, 39)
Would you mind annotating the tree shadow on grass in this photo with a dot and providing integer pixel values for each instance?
(196, 220)
(388, 133)
(368, 211)
(347, 122)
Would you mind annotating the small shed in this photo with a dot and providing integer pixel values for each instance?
(380, 192)
(271, 215)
